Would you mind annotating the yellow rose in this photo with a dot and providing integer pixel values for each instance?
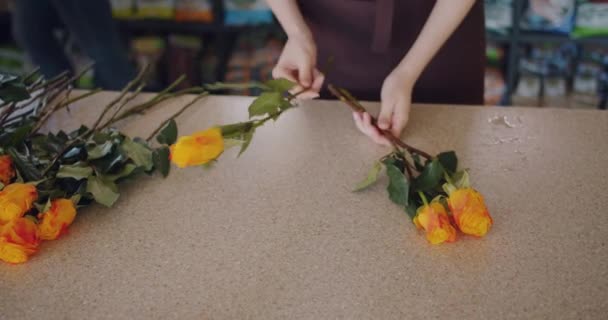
(198, 149)
(15, 200)
(18, 240)
(57, 219)
(434, 219)
(470, 212)
(7, 171)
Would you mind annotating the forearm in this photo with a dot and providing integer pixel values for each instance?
(289, 16)
(443, 20)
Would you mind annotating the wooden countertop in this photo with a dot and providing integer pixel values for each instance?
(277, 234)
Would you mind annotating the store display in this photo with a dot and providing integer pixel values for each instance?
(592, 19)
(494, 82)
(499, 15)
(148, 51)
(243, 12)
(209, 65)
(556, 70)
(550, 16)
(585, 84)
(159, 9)
(194, 10)
(255, 55)
(122, 8)
(183, 52)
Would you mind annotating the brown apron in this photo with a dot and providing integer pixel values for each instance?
(366, 39)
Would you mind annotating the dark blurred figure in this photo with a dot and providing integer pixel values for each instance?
(88, 21)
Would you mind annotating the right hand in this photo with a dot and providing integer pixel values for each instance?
(298, 63)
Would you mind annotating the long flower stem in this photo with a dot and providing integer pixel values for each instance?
(122, 94)
(138, 109)
(125, 102)
(357, 107)
(175, 115)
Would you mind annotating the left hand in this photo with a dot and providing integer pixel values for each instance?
(396, 98)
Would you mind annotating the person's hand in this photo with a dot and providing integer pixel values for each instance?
(396, 98)
(298, 63)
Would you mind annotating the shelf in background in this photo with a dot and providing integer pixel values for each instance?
(527, 37)
(172, 26)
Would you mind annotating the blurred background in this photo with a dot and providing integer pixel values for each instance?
(539, 52)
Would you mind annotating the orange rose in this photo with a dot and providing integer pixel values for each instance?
(470, 212)
(435, 221)
(56, 220)
(7, 172)
(18, 240)
(15, 200)
(198, 149)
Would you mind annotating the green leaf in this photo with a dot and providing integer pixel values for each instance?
(126, 171)
(76, 198)
(19, 135)
(247, 137)
(229, 143)
(411, 209)
(13, 92)
(266, 103)
(235, 130)
(110, 161)
(430, 177)
(417, 162)
(139, 153)
(168, 135)
(448, 160)
(1, 185)
(6, 78)
(461, 179)
(25, 167)
(74, 171)
(234, 86)
(101, 137)
(372, 177)
(105, 192)
(280, 85)
(398, 187)
(161, 160)
(99, 150)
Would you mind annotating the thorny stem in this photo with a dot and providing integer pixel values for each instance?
(177, 114)
(51, 81)
(62, 105)
(148, 104)
(122, 94)
(60, 88)
(31, 74)
(408, 169)
(126, 101)
(357, 107)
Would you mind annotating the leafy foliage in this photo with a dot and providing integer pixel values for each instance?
(372, 177)
(399, 186)
(85, 164)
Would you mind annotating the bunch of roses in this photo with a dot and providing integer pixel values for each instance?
(468, 213)
(462, 209)
(20, 231)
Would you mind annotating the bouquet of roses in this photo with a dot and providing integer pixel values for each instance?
(46, 177)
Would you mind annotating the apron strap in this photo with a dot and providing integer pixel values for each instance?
(383, 25)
